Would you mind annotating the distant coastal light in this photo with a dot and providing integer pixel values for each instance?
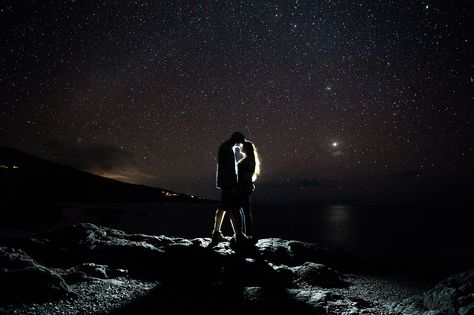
(8, 167)
(335, 144)
(169, 194)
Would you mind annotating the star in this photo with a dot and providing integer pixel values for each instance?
(159, 93)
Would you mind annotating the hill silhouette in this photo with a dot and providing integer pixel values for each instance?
(36, 187)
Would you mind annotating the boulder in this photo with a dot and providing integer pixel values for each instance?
(319, 275)
(327, 302)
(90, 270)
(265, 278)
(293, 253)
(262, 300)
(161, 257)
(454, 295)
(23, 279)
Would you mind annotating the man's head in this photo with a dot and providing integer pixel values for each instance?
(237, 137)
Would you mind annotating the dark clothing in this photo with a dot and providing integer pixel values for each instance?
(246, 168)
(226, 177)
(229, 200)
(244, 202)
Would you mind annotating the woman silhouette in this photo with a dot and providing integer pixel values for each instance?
(248, 169)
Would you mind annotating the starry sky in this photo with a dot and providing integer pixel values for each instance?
(346, 101)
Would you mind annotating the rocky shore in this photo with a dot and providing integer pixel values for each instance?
(88, 269)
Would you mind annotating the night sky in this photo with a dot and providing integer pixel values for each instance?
(346, 101)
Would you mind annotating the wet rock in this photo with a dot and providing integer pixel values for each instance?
(23, 279)
(454, 295)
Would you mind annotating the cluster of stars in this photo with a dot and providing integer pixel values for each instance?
(166, 82)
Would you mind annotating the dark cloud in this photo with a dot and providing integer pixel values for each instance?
(101, 159)
(103, 156)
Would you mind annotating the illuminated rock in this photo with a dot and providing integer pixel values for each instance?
(23, 279)
(454, 295)
(271, 277)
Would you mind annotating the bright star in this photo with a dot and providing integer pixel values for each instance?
(334, 144)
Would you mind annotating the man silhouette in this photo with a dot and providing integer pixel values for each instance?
(226, 181)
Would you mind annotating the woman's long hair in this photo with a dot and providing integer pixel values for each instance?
(251, 152)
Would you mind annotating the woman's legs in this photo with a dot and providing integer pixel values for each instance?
(236, 221)
(247, 214)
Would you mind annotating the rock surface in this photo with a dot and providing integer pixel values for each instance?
(454, 295)
(85, 262)
(159, 257)
(23, 279)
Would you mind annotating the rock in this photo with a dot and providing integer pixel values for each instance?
(454, 295)
(74, 277)
(326, 302)
(94, 270)
(159, 257)
(82, 243)
(319, 275)
(162, 257)
(292, 253)
(23, 279)
(88, 270)
(310, 274)
(263, 279)
(285, 275)
(302, 301)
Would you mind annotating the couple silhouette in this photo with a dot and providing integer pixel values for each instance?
(237, 169)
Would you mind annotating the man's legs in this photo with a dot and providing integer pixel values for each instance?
(216, 233)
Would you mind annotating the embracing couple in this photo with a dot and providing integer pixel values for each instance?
(237, 169)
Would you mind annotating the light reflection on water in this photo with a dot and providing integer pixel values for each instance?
(336, 224)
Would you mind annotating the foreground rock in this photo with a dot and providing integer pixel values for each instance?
(455, 295)
(273, 277)
(23, 279)
(160, 257)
